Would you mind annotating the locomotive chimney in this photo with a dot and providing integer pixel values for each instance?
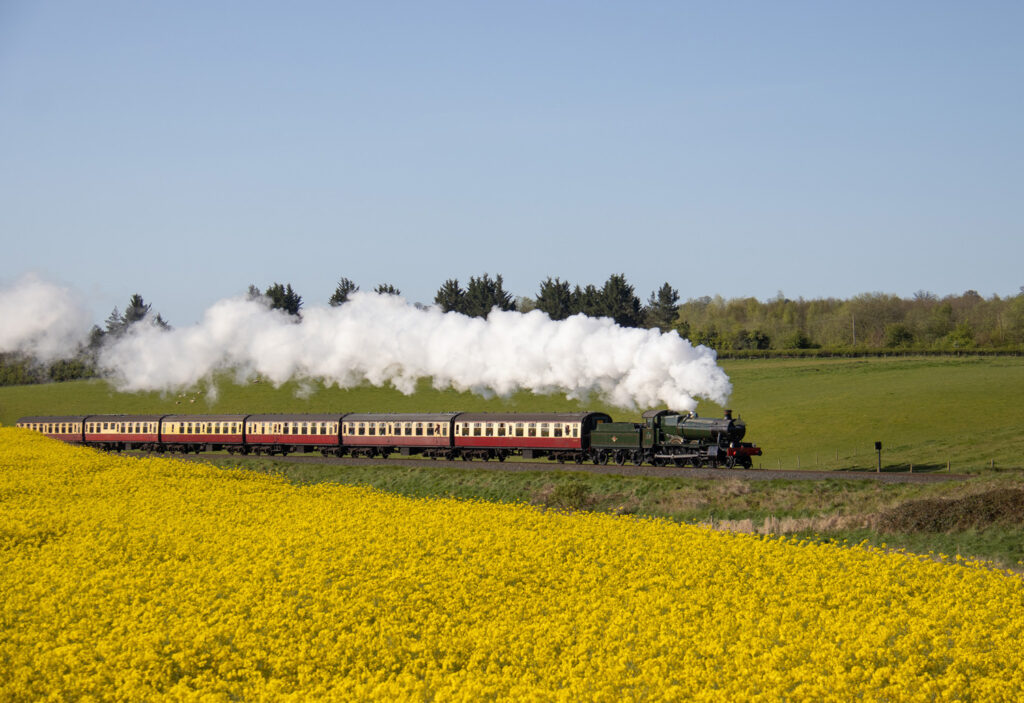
(728, 414)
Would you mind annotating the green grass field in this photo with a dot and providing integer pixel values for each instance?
(827, 413)
(927, 412)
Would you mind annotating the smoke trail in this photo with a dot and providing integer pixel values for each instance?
(381, 338)
(41, 319)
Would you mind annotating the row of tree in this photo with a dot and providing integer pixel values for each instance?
(870, 321)
(865, 323)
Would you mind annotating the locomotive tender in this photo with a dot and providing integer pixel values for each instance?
(664, 438)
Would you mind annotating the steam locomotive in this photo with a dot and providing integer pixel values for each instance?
(664, 438)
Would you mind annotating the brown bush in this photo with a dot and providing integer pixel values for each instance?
(1002, 507)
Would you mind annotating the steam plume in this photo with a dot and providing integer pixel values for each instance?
(382, 338)
(41, 319)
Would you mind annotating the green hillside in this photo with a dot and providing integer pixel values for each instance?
(926, 411)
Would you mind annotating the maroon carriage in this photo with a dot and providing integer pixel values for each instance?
(558, 436)
(119, 432)
(201, 433)
(380, 434)
(285, 434)
(68, 428)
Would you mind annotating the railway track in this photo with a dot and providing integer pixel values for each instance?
(609, 469)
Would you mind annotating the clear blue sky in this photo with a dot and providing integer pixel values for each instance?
(184, 150)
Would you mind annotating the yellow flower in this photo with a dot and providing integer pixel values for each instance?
(153, 579)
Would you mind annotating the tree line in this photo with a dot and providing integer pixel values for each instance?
(866, 323)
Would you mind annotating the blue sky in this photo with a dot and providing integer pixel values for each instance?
(185, 150)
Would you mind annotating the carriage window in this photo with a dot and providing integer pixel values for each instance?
(544, 430)
(430, 430)
(408, 429)
(419, 429)
(558, 431)
(489, 430)
(575, 430)
(519, 429)
(362, 428)
(501, 430)
(476, 429)
(531, 430)
(372, 429)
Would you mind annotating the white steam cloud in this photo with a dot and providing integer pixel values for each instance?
(41, 319)
(382, 339)
(378, 339)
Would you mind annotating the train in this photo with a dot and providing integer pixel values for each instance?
(663, 438)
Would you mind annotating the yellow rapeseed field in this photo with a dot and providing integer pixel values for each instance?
(144, 579)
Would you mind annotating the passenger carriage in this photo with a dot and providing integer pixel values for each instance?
(202, 433)
(68, 428)
(557, 436)
(380, 434)
(120, 432)
(297, 433)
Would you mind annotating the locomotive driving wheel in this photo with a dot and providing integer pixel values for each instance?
(730, 462)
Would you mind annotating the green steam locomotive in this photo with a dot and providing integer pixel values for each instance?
(669, 438)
